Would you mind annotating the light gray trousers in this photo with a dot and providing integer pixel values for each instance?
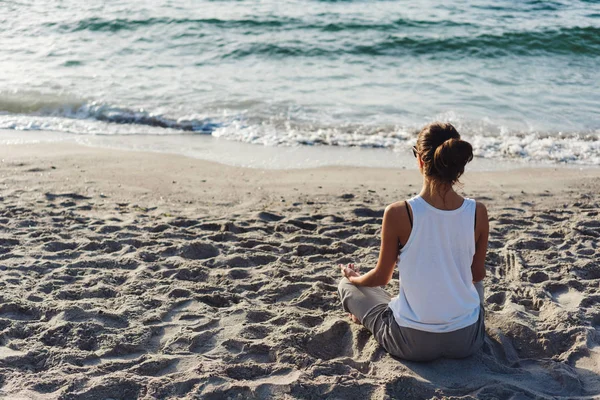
(370, 306)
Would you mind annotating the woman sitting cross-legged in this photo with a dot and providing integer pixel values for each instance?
(438, 240)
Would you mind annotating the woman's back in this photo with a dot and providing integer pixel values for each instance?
(436, 288)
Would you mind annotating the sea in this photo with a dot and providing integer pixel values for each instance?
(346, 81)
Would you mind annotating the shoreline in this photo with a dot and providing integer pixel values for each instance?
(185, 181)
(148, 275)
(255, 156)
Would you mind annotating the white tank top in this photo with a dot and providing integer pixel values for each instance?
(436, 283)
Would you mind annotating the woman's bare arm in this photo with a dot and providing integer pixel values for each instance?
(481, 243)
(388, 253)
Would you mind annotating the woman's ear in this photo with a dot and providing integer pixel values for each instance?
(420, 162)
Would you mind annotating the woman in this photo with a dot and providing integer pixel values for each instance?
(441, 239)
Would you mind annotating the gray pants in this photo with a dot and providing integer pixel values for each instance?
(370, 306)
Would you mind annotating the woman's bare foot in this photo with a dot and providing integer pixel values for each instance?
(354, 319)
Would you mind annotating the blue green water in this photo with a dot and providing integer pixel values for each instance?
(519, 79)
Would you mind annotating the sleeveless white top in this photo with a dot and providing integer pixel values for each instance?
(436, 283)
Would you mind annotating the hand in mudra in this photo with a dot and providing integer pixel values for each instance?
(349, 270)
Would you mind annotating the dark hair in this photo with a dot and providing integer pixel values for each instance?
(443, 152)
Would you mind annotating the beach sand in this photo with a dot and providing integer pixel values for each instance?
(130, 275)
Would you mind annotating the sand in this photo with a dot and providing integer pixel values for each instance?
(130, 275)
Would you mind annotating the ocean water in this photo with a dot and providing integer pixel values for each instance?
(519, 79)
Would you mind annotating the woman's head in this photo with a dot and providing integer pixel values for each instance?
(443, 153)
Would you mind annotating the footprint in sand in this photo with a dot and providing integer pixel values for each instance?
(334, 341)
(566, 297)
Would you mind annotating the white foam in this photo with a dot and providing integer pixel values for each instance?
(242, 154)
(489, 141)
(569, 149)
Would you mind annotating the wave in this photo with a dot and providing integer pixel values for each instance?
(555, 41)
(418, 41)
(399, 23)
(64, 113)
(581, 41)
(491, 142)
(576, 149)
(96, 24)
(43, 105)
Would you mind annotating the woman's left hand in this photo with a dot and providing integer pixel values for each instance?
(349, 271)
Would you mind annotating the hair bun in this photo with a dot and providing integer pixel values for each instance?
(450, 159)
(443, 153)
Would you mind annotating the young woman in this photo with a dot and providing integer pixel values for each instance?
(438, 240)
